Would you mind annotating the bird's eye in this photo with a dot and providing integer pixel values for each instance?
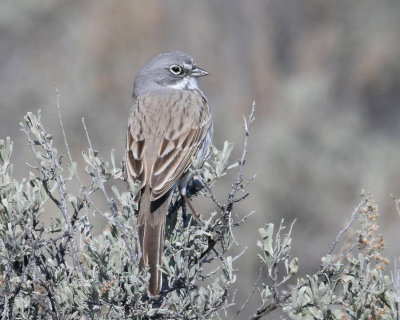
(176, 69)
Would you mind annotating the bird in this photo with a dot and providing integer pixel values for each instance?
(169, 124)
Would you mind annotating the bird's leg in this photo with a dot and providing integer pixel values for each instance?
(192, 209)
(190, 206)
(184, 215)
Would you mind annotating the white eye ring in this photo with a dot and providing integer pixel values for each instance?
(175, 69)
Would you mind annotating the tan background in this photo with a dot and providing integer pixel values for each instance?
(325, 75)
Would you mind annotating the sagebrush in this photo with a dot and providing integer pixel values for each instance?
(63, 270)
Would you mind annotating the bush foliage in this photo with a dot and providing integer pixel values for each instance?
(63, 270)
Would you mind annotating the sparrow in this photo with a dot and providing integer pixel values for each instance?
(169, 124)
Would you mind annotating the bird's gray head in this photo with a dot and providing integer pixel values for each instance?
(169, 70)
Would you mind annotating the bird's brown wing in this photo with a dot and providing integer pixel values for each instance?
(136, 169)
(161, 143)
(179, 144)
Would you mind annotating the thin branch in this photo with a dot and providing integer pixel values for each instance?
(64, 135)
(239, 178)
(255, 286)
(236, 224)
(219, 267)
(82, 187)
(343, 231)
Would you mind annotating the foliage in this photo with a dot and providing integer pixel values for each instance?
(63, 270)
(349, 284)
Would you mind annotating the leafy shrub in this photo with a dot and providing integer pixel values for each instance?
(62, 270)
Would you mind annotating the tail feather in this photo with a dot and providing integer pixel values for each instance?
(151, 221)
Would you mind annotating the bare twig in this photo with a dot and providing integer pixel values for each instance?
(65, 136)
(236, 186)
(255, 286)
(236, 224)
(219, 267)
(343, 231)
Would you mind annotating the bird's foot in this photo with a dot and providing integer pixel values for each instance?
(192, 209)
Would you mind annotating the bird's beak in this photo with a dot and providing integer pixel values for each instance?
(199, 72)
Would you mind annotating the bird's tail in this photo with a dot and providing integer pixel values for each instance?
(151, 222)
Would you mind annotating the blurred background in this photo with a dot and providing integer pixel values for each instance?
(325, 76)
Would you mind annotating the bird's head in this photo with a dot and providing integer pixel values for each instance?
(174, 70)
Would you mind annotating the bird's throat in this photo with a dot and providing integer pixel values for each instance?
(187, 83)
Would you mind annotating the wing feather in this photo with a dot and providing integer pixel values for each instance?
(136, 166)
(170, 166)
(177, 131)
